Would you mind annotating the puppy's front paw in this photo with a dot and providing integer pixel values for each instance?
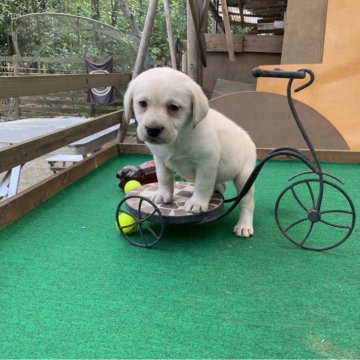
(162, 197)
(244, 229)
(195, 205)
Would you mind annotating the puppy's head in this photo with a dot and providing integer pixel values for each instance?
(164, 102)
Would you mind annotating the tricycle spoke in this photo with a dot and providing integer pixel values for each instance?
(335, 225)
(337, 211)
(148, 228)
(308, 233)
(149, 216)
(297, 199)
(295, 223)
(139, 207)
(311, 194)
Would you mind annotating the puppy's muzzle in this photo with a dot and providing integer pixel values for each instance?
(154, 131)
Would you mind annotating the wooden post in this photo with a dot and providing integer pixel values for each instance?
(228, 33)
(144, 43)
(199, 10)
(16, 73)
(194, 66)
(184, 64)
(16, 67)
(140, 58)
(170, 34)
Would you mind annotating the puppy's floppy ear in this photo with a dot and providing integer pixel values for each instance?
(200, 105)
(128, 101)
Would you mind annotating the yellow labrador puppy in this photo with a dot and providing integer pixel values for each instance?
(187, 137)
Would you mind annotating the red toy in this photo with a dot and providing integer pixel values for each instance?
(145, 173)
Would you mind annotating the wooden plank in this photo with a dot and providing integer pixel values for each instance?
(32, 149)
(217, 43)
(58, 162)
(49, 102)
(16, 86)
(18, 205)
(245, 43)
(305, 32)
(51, 60)
(223, 87)
(133, 148)
(93, 142)
(44, 59)
(6, 58)
(263, 44)
(265, 26)
(30, 112)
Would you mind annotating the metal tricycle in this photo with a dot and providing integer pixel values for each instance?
(302, 210)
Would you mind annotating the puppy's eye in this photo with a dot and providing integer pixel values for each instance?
(143, 104)
(173, 108)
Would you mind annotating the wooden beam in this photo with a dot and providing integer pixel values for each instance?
(169, 30)
(245, 43)
(241, 11)
(15, 86)
(133, 149)
(217, 43)
(32, 149)
(43, 59)
(204, 16)
(197, 14)
(216, 16)
(228, 32)
(193, 64)
(145, 38)
(263, 44)
(304, 37)
(18, 205)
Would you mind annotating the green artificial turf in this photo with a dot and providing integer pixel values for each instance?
(71, 287)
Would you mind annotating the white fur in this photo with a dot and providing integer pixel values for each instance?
(195, 141)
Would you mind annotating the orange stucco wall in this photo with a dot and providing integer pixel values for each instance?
(336, 90)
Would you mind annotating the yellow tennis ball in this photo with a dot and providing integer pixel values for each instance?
(131, 185)
(127, 223)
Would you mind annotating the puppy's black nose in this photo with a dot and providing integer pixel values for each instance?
(154, 131)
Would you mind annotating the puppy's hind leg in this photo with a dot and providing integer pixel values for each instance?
(244, 227)
(221, 187)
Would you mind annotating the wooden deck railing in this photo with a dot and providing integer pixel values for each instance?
(67, 102)
(16, 206)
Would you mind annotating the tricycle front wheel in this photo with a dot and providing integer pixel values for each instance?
(310, 228)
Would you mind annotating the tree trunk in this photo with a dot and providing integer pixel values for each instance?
(95, 10)
(122, 5)
(95, 14)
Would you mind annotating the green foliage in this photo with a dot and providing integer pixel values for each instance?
(159, 46)
(109, 14)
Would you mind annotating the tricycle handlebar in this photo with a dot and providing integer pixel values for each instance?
(278, 73)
